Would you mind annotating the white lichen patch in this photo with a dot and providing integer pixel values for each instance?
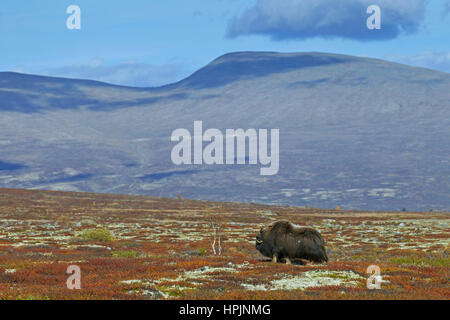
(198, 274)
(194, 277)
(310, 279)
(132, 281)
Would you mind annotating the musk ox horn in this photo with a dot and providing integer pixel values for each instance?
(283, 240)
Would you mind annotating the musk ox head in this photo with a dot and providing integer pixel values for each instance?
(283, 240)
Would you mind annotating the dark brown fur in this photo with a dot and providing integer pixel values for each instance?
(283, 240)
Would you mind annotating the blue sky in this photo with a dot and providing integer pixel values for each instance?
(154, 42)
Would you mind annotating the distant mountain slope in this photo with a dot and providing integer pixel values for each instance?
(355, 132)
(250, 65)
(31, 93)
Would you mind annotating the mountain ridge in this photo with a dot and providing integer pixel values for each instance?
(221, 59)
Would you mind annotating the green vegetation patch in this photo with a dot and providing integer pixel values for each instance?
(101, 235)
(443, 262)
(125, 254)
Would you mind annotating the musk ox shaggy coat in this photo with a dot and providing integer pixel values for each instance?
(283, 240)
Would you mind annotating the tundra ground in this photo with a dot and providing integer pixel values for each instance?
(135, 247)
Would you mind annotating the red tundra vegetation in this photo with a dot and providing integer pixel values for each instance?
(136, 247)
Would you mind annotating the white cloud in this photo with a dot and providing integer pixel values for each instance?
(428, 59)
(129, 73)
(301, 19)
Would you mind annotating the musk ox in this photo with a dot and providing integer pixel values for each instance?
(283, 240)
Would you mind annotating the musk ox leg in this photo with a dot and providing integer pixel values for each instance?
(288, 261)
(274, 258)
